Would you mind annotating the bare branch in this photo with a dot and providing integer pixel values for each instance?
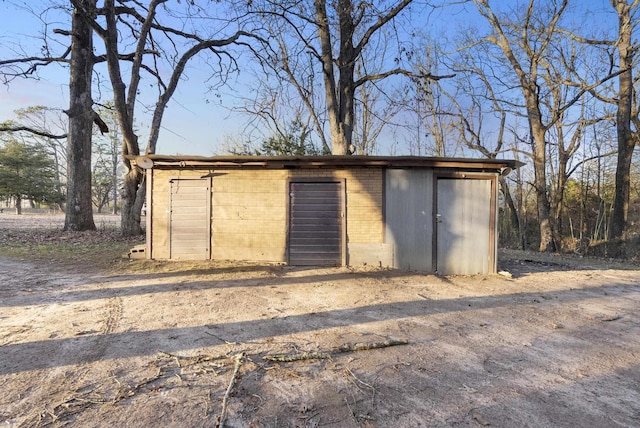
(33, 63)
(400, 71)
(559, 112)
(382, 20)
(10, 127)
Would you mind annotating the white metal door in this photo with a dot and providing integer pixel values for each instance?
(463, 226)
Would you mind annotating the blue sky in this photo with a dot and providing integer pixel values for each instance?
(191, 125)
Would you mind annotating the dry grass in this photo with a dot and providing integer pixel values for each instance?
(102, 250)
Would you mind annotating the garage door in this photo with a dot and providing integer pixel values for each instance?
(315, 223)
(190, 219)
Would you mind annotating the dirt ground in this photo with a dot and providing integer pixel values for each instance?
(240, 345)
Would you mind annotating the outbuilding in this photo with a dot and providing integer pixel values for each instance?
(414, 213)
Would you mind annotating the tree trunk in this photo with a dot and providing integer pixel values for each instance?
(79, 213)
(132, 201)
(623, 184)
(18, 205)
(340, 96)
(346, 113)
(547, 242)
(513, 212)
(332, 97)
(130, 218)
(626, 140)
(346, 84)
(542, 204)
(557, 199)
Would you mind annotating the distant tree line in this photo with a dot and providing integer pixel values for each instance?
(27, 160)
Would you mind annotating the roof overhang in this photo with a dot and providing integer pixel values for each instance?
(333, 162)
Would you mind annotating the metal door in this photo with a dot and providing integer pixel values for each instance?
(315, 224)
(464, 226)
(190, 219)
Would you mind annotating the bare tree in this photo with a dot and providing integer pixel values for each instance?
(525, 63)
(622, 97)
(434, 105)
(270, 107)
(157, 48)
(529, 44)
(286, 85)
(376, 102)
(570, 127)
(79, 210)
(335, 35)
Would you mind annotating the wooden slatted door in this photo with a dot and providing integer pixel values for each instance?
(190, 219)
(315, 223)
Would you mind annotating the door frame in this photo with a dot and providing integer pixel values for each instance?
(493, 220)
(342, 182)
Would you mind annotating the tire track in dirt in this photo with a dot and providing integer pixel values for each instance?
(114, 306)
(110, 323)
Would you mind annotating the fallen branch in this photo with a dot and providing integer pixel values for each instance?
(192, 360)
(287, 358)
(352, 347)
(347, 347)
(353, 415)
(225, 400)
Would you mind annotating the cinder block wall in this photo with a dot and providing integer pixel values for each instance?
(249, 215)
(249, 212)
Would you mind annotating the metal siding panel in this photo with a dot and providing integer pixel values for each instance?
(409, 217)
(463, 239)
(315, 224)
